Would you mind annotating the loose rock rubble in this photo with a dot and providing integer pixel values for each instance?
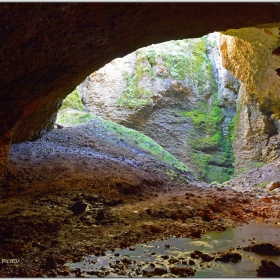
(61, 201)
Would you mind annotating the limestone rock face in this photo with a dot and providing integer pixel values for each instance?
(179, 94)
(101, 90)
(247, 53)
(47, 49)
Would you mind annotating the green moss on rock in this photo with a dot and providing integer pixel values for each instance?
(209, 141)
(240, 171)
(200, 161)
(187, 60)
(208, 146)
(73, 101)
(71, 117)
(211, 151)
(251, 165)
(134, 97)
(184, 60)
(231, 129)
(71, 111)
(217, 173)
(140, 140)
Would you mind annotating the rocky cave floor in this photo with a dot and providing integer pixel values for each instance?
(71, 194)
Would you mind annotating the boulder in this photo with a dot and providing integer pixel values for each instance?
(268, 269)
(273, 185)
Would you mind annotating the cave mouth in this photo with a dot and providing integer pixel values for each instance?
(85, 193)
(180, 95)
(174, 93)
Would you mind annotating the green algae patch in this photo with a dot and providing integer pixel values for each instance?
(207, 141)
(207, 117)
(240, 171)
(251, 165)
(217, 173)
(200, 161)
(258, 164)
(71, 111)
(263, 184)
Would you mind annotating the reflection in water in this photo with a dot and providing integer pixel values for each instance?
(180, 249)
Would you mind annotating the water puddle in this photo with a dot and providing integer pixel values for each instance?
(163, 255)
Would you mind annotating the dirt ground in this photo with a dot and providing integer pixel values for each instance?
(72, 194)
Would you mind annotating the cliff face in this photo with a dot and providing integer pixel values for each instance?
(247, 53)
(211, 102)
(177, 93)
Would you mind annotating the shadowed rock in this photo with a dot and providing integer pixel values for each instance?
(268, 269)
(264, 248)
(79, 207)
(229, 257)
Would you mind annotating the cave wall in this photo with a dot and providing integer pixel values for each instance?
(247, 54)
(47, 49)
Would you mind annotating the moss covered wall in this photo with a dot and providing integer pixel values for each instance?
(209, 149)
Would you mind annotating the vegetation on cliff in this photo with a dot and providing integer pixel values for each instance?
(209, 149)
(72, 117)
(71, 111)
(184, 60)
(135, 97)
(73, 101)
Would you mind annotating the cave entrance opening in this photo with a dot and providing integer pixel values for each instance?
(193, 98)
(177, 93)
